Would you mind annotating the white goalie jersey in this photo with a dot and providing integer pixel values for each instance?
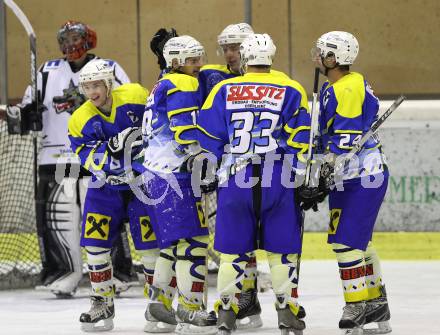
(58, 89)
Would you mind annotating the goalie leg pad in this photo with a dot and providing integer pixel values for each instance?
(191, 269)
(59, 218)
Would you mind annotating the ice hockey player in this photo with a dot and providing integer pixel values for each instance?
(170, 113)
(348, 108)
(258, 115)
(58, 212)
(103, 134)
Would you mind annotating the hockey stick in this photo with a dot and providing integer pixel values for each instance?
(312, 140)
(34, 94)
(358, 146)
(313, 127)
(205, 284)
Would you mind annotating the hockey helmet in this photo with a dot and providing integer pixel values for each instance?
(344, 46)
(234, 34)
(257, 49)
(181, 48)
(97, 69)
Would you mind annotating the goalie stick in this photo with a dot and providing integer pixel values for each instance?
(34, 94)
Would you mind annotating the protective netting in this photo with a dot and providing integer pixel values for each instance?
(20, 261)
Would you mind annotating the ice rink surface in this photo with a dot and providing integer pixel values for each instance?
(413, 288)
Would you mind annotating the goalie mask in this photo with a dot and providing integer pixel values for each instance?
(340, 44)
(75, 39)
(257, 49)
(97, 69)
(181, 48)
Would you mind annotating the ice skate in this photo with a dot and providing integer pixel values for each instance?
(195, 322)
(65, 286)
(159, 319)
(289, 322)
(249, 310)
(378, 312)
(226, 322)
(353, 318)
(100, 316)
(123, 282)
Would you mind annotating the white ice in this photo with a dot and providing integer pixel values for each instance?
(413, 288)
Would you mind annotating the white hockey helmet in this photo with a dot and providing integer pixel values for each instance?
(181, 48)
(257, 49)
(97, 69)
(234, 34)
(343, 45)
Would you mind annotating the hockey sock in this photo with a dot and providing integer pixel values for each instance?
(165, 276)
(284, 279)
(101, 272)
(148, 259)
(250, 273)
(230, 279)
(351, 264)
(191, 270)
(373, 273)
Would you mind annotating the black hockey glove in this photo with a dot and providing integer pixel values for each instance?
(23, 119)
(309, 197)
(207, 172)
(128, 138)
(158, 42)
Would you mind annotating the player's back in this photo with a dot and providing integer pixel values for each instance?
(255, 108)
(171, 108)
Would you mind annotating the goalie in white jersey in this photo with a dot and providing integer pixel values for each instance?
(59, 191)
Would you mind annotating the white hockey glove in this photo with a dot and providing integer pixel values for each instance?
(128, 139)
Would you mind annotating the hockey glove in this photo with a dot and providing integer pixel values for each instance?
(128, 138)
(200, 164)
(158, 42)
(23, 119)
(309, 197)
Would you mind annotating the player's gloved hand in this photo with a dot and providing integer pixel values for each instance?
(327, 174)
(128, 139)
(157, 43)
(309, 197)
(22, 119)
(200, 164)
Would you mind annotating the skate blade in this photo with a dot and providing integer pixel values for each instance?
(382, 328)
(352, 331)
(249, 322)
(158, 327)
(100, 326)
(188, 329)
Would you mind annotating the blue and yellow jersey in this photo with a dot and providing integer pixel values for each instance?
(348, 108)
(210, 75)
(170, 116)
(255, 114)
(90, 129)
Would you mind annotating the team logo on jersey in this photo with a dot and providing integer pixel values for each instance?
(335, 216)
(97, 226)
(133, 117)
(147, 232)
(255, 96)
